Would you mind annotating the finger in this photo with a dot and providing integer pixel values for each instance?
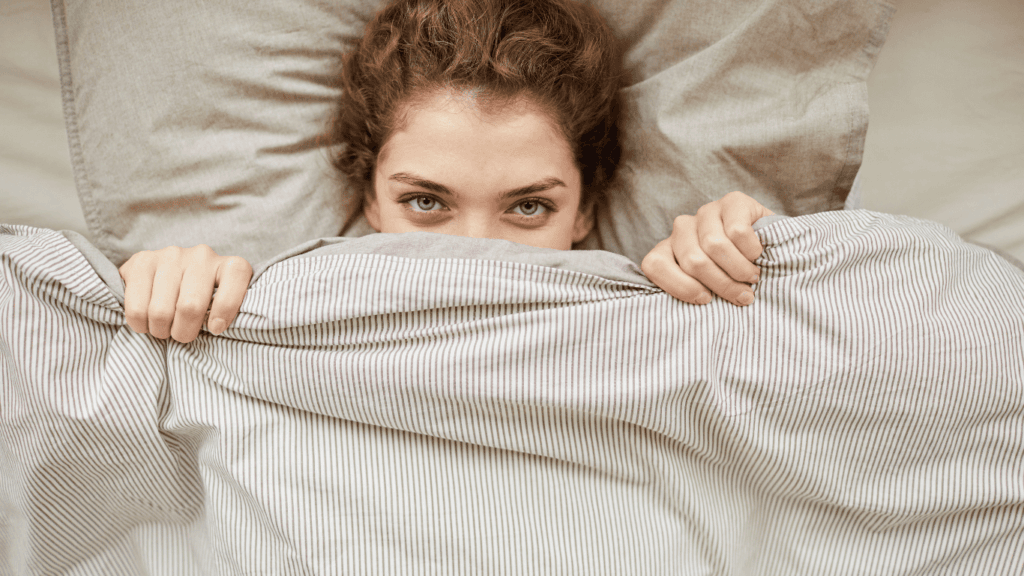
(698, 265)
(739, 224)
(661, 268)
(716, 244)
(166, 283)
(194, 295)
(137, 274)
(233, 277)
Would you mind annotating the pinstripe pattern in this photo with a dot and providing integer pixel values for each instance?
(377, 414)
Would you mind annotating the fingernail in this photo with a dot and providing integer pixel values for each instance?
(703, 299)
(217, 326)
(746, 298)
(755, 278)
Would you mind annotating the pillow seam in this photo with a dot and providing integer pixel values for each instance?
(82, 184)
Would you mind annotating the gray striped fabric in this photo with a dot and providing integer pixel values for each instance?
(374, 413)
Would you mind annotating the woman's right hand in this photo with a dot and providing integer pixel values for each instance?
(168, 292)
(712, 251)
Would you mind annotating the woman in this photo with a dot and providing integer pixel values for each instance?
(482, 118)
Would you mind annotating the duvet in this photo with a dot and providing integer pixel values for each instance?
(421, 404)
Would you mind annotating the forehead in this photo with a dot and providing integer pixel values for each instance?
(468, 100)
(450, 126)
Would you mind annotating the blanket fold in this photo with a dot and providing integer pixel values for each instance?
(377, 408)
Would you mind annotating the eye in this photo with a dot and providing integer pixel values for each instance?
(530, 207)
(424, 204)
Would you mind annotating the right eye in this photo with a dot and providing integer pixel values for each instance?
(424, 204)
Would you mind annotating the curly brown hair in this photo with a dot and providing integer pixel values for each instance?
(559, 54)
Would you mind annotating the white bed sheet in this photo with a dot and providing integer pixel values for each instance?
(511, 410)
(36, 184)
(946, 137)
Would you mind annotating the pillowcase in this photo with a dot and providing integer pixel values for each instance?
(199, 122)
(769, 98)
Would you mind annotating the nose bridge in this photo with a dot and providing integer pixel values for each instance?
(475, 225)
(477, 220)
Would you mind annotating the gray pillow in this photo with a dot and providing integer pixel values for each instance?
(198, 122)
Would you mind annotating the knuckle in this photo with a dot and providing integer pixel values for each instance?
(237, 263)
(136, 260)
(192, 308)
(682, 222)
(652, 265)
(646, 264)
(135, 315)
(706, 209)
(714, 245)
(694, 262)
(200, 254)
(656, 256)
(170, 251)
(202, 250)
(735, 196)
(736, 231)
(161, 315)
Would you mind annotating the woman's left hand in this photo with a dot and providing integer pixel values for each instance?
(710, 252)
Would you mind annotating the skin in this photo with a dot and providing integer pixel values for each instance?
(167, 292)
(454, 168)
(508, 176)
(712, 251)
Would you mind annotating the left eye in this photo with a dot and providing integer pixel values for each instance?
(529, 208)
(424, 204)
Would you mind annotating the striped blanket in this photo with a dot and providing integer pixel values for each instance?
(422, 404)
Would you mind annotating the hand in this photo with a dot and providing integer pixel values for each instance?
(167, 292)
(713, 250)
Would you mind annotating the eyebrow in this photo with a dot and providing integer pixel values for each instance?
(539, 186)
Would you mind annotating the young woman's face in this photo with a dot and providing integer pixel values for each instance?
(454, 169)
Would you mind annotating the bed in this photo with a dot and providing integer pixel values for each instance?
(377, 408)
(943, 142)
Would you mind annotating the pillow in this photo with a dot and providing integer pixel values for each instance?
(768, 98)
(198, 122)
